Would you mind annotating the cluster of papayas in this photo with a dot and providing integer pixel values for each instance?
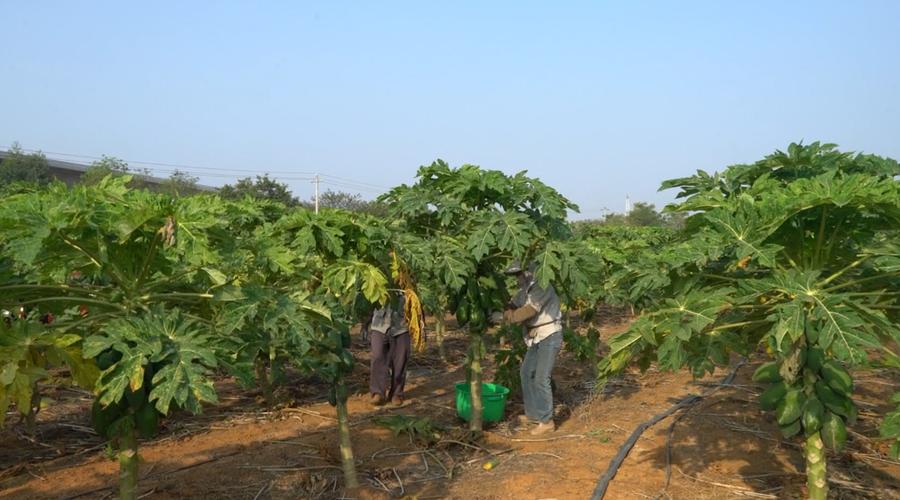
(135, 405)
(476, 300)
(817, 402)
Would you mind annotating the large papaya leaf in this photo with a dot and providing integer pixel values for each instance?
(178, 349)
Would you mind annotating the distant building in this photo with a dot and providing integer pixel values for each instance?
(71, 173)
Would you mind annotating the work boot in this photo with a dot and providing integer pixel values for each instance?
(523, 420)
(376, 400)
(543, 428)
(397, 401)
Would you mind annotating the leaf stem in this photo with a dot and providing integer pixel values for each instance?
(80, 300)
(838, 274)
(862, 280)
(728, 326)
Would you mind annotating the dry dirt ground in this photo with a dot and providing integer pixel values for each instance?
(722, 447)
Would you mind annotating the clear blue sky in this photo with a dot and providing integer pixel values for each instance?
(599, 99)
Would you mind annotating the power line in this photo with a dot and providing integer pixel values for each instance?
(225, 176)
(348, 186)
(222, 172)
(355, 181)
(226, 173)
(160, 164)
(354, 184)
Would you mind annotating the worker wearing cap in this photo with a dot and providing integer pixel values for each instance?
(537, 309)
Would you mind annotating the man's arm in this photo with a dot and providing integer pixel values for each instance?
(520, 315)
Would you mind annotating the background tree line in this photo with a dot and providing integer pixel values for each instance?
(19, 170)
(641, 215)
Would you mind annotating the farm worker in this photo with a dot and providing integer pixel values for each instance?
(390, 347)
(537, 310)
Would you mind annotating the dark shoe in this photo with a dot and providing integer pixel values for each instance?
(376, 400)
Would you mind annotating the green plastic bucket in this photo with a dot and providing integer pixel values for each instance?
(493, 401)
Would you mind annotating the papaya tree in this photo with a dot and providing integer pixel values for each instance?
(470, 223)
(796, 253)
(295, 283)
(129, 275)
(28, 350)
(625, 254)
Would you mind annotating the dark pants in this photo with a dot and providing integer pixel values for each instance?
(388, 371)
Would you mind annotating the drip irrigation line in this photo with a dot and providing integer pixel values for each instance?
(603, 483)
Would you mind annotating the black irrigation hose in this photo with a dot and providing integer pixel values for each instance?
(616, 462)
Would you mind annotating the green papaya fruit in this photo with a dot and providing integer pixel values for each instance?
(836, 403)
(108, 358)
(767, 372)
(102, 417)
(770, 398)
(812, 336)
(136, 399)
(486, 300)
(453, 302)
(837, 377)
(790, 407)
(472, 290)
(146, 421)
(790, 429)
(477, 318)
(813, 413)
(833, 431)
(462, 313)
(815, 358)
(825, 394)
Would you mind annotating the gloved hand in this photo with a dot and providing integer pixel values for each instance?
(496, 318)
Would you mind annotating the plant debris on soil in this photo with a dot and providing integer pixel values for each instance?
(723, 446)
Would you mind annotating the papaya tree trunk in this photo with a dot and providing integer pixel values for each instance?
(476, 354)
(347, 462)
(264, 380)
(33, 408)
(814, 447)
(816, 480)
(439, 328)
(128, 463)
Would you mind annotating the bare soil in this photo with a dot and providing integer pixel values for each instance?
(722, 447)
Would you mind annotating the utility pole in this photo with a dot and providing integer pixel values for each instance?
(316, 182)
(627, 205)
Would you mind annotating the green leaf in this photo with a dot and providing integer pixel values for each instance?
(218, 277)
